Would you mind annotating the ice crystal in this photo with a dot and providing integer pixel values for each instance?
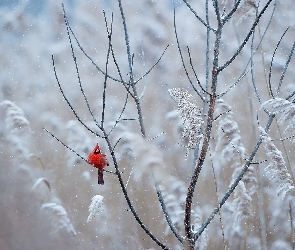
(190, 115)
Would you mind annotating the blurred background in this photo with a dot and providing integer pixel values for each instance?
(46, 189)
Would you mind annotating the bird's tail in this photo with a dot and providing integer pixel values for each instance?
(100, 176)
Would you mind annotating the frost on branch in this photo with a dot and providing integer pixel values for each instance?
(190, 115)
(276, 168)
(95, 207)
(285, 110)
(228, 133)
(59, 219)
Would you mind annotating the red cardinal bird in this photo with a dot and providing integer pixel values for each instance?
(99, 161)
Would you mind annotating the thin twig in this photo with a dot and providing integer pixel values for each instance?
(116, 145)
(129, 176)
(196, 76)
(234, 84)
(238, 51)
(126, 85)
(252, 74)
(204, 150)
(65, 145)
(224, 113)
(167, 216)
(72, 150)
(119, 117)
(238, 151)
(109, 32)
(216, 196)
(232, 12)
(68, 102)
(144, 67)
(85, 53)
(182, 60)
(234, 184)
(271, 63)
(284, 139)
(140, 118)
(77, 71)
(290, 96)
(153, 138)
(126, 196)
(207, 58)
(155, 64)
(198, 17)
(253, 52)
(217, 12)
(263, 62)
(131, 77)
(285, 69)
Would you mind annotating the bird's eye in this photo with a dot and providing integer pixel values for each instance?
(97, 151)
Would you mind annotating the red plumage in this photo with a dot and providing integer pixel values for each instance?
(98, 160)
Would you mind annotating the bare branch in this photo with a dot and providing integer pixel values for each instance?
(84, 52)
(65, 145)
(246, 39)
(217, 12)
(181, 56)
(119, 118)
(196, 76)
(285, 69)
(77, 71)
(68, 102)
(198, 17)
(146, 73)
(270, 67)
(131, 80)
(126, 196)
(234, 84)
(72, 150)
(106, 67)
(232, 12)
(235, 183)
(165, 211)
